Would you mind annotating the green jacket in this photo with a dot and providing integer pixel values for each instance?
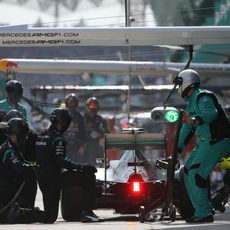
(6, 106)
(204, 106)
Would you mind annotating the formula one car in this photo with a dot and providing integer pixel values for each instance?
(140, 181)
(133, 180)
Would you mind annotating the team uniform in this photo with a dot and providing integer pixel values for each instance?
(94, 125)
(16, 175)
(75, 136)
(14, 92)
(13, 172)
(208, 121)
(27, 151)
(51, 158)
(6, 106)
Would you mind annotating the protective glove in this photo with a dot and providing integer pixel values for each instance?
(89, 168)
(78, 168)
(224, 163)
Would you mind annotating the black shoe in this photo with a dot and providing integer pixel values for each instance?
(205, 219)
(90, 216)
(13, 213)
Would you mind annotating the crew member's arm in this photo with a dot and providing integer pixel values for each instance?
(59, 147)
(102, 128)
(82, 131)
(14, 162)
(186, 134)
(207, 110)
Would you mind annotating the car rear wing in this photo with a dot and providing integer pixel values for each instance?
(135, 141)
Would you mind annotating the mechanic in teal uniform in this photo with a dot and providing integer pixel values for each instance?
(205, 117)
(14, 91)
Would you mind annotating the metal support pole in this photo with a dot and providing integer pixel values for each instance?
(127, 24)
(56, 12)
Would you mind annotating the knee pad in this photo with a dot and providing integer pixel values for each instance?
(201, 182)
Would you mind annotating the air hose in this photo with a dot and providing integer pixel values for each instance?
(14, 198)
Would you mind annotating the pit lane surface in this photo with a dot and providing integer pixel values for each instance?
(123, 222)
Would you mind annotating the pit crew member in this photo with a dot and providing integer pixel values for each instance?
(204, 116)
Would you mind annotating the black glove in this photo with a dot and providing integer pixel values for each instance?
(78, 168)
(89, 169)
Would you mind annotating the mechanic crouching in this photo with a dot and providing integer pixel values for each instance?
(27, 150)
(15, 175)
(205, 117)
(51, 158)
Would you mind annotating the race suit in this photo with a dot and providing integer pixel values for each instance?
(28, 153)
(212, 145)
(75, 136)
(6, 106)
(51, 158)
(95, 127)
(13, 172)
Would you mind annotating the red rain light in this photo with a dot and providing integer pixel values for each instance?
(136, 186)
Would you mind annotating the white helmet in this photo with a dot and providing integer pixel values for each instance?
(190, 78)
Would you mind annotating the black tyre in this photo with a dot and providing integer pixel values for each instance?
(71, 203)
(185, 206)
(72, 198)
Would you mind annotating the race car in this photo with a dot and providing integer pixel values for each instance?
(130, 181)
(140, 179)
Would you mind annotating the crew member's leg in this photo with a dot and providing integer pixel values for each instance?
(27, 196)
(202, 164)
(51, 195)
(187, 165)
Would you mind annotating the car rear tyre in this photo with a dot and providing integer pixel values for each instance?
(72, 198)
(71, 203)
